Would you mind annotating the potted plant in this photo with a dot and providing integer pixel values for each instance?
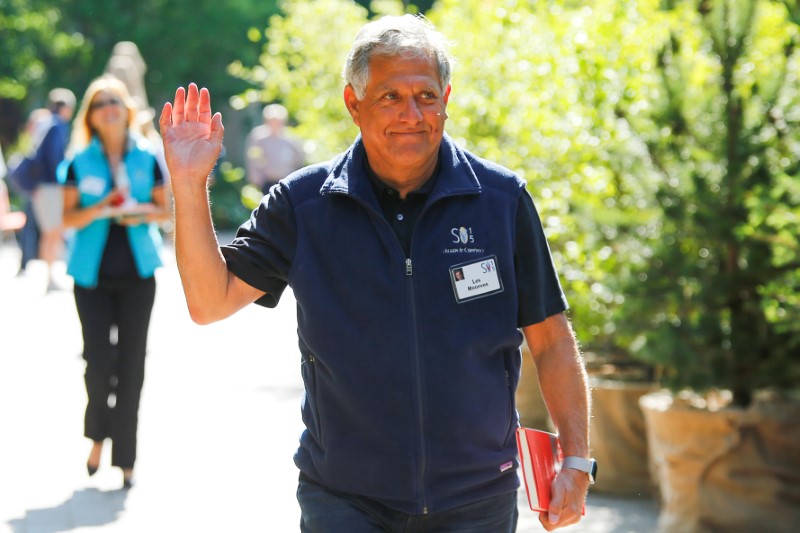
(715, 306)
(617, 430)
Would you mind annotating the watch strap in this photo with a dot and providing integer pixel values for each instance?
(582, 464)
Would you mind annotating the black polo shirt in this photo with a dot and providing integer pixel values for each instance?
(401, 213)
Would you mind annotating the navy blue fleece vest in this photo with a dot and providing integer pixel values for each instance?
(410, 394)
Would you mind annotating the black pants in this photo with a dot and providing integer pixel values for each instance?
(115, 370)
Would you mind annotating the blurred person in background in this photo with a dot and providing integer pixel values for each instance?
(47, 201)
(270, 154)
(127, 64)
(114, 196)
(22, 177)
(34, 176)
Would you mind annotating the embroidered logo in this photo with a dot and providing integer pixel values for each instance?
(462, 235)
(462, 241)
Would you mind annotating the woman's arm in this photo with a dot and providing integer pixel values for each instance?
(160, 213)
(76, 216)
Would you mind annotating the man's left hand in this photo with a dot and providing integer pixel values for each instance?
(567, 501)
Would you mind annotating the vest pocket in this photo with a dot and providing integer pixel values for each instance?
(311, 415)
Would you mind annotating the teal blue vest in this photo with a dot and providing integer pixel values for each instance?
(86, 248)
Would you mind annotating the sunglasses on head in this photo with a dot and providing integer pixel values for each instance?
(100, 104)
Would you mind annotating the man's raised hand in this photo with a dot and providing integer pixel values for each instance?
(192, 136)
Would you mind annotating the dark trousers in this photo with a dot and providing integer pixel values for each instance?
(326, 511)
(28, 237)
(115, 367)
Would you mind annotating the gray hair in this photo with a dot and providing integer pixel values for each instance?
(275, 111)
(406, 35)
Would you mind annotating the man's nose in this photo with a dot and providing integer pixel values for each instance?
(411, 111)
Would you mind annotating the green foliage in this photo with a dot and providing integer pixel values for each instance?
(300, 66)
(660, 143)
(180, 40)
(31, 42)
(544, 103)
(716, 305)
(227, 208)
(49, 43)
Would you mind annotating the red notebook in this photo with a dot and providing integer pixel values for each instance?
(540, 459)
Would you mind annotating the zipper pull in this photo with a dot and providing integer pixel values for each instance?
(409, 268)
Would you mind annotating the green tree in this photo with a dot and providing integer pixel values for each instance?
(31, 43)
(180, 40)
(717, 303)
(537, 87)
(300, 66)
(49, 43)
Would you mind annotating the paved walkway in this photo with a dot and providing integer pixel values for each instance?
(219, 422)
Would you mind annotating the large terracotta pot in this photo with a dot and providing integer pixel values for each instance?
(731, 470)
(619, 439)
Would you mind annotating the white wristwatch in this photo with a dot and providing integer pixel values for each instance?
(584, 465)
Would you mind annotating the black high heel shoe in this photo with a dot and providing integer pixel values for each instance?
(97, 449)
(127, 478)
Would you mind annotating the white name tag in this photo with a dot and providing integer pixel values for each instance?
(476, 279)
(92, 185)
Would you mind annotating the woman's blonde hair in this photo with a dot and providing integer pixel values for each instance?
(82, 131)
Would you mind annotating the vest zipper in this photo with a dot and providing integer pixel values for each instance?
(423, 465)
(409, 275)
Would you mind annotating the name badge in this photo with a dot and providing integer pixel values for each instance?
(92, 185)
(476, 279)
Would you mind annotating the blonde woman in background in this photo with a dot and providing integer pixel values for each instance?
(114, 196)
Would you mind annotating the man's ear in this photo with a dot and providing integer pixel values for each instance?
(447, 93)
(351, 102)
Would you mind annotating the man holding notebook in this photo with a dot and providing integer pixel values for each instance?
(417, 267)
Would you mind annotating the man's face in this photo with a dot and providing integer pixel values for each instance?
(402, 114)
(275, 125)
